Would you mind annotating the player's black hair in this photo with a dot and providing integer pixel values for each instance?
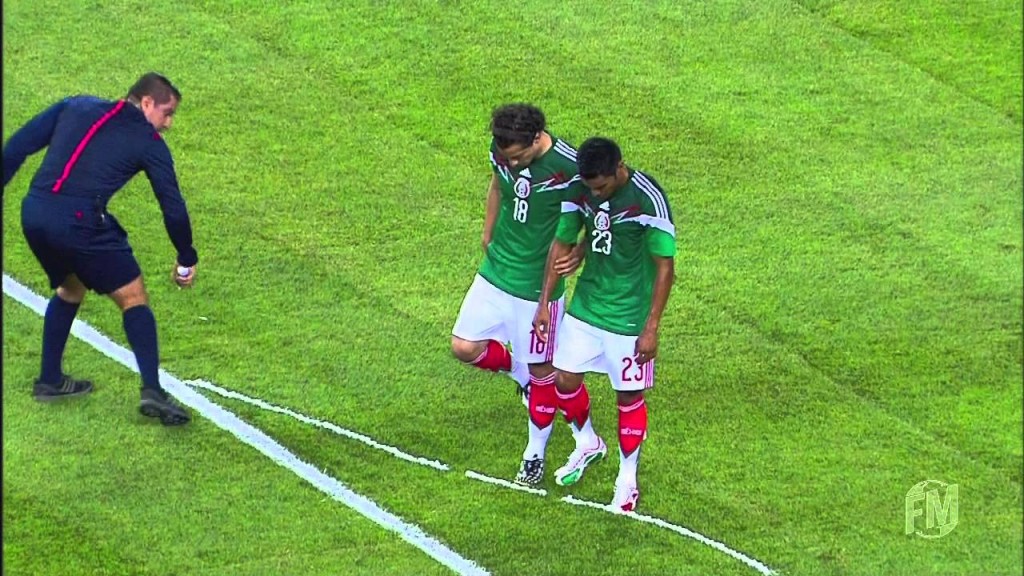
(516, 124)
(156, 86)
(598, 157)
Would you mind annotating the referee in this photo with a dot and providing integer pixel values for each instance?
(94, 147)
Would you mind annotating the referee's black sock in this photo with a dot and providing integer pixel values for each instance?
(140, 328)
(60, 314)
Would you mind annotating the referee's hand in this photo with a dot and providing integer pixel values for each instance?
(183, 276)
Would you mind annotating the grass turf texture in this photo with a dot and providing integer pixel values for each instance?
(846, 181)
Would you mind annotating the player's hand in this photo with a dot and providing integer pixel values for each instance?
(568, 264)
(646, 347)
(542, 322)
(485, 241)
(183, 276)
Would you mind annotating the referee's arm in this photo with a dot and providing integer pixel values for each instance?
(159, 168)
(31, 138)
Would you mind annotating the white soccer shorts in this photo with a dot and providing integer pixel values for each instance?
(489, 313)
(584, 348)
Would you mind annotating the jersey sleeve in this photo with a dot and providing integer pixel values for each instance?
(31, 138)
(660, 243)
(569, 223)
(159, 168)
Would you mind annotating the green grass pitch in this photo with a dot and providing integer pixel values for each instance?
(846, 179)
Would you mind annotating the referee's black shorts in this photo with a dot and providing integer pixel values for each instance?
(74, 236)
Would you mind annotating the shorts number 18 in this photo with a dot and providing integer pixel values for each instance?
(537, 346)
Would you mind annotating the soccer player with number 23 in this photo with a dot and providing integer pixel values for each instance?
(611, 325)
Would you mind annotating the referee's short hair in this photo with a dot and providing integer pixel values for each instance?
(156, 86)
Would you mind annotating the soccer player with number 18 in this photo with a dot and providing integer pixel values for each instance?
(611, 325)
(533, 173)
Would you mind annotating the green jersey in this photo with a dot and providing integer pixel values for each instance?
(623, 232)
(531, 204)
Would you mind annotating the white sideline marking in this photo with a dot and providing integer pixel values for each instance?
(504, 483)
(760, 567)
(397, 453)
(259, 440)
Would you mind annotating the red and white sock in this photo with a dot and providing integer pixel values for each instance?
(576, 408)
(632, 432)
(543, 405)
(495, 358)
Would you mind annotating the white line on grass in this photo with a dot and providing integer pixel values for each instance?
(760, 567)
(504, 483)
(756, 565)
(397, 453)
(258, 440)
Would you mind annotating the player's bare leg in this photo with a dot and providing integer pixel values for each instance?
(140, 328)
(53, 384)
(543, 404)
(493, 356)
(632, 432)
(574, 401)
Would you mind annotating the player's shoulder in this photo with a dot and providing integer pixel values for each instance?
(562, 150)
(650, 192)
(645, 181)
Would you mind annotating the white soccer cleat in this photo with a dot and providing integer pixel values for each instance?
(578, 461)
(626, 496)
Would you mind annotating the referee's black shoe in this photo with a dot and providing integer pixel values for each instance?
(68, 387)
(158, 404)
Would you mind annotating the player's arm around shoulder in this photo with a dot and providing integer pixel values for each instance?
(570, 225)
(565, 236)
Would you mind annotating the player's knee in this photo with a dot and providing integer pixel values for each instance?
(464, 350)
(131, 295)
(568, 382)
(629, 398)
(73, 294)
(542, 370)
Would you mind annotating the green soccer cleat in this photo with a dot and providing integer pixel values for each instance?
(578, 461)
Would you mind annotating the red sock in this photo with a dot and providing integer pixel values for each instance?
(543, 401)
(575, 406)
(495, 357)
(632, 426)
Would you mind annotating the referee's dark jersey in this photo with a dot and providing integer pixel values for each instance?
(94, 147)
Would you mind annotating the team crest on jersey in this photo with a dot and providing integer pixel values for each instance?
(522, 187)
(602, 221)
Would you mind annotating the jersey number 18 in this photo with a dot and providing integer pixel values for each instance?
(519, 210)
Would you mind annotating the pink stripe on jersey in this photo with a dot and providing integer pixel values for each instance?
(85, 140)
(649, 374)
